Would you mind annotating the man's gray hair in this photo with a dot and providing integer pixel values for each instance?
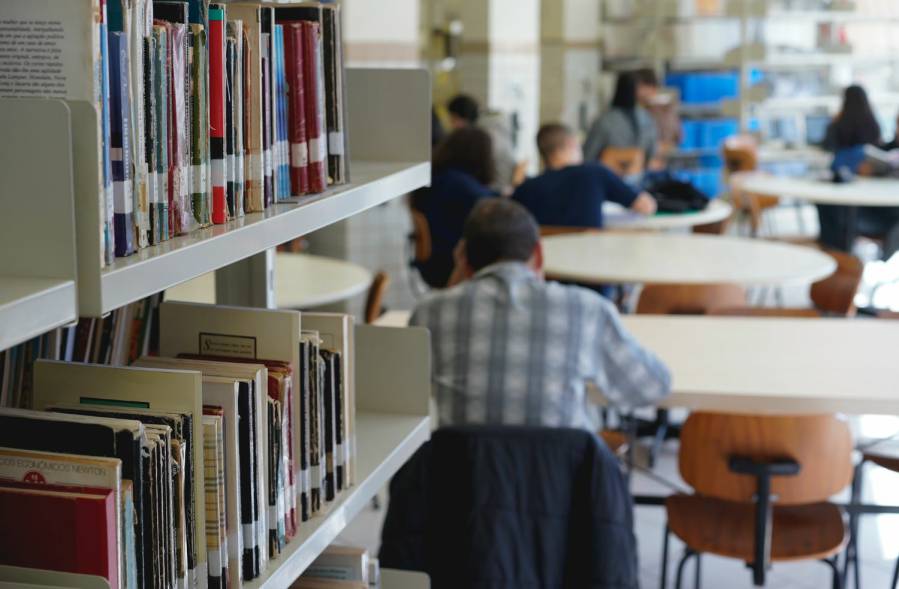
(499, 230)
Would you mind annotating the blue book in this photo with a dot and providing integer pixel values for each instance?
(120, 134)
(282, 143)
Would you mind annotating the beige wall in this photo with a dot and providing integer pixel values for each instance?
(382, 32)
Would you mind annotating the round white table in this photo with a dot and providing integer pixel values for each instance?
(621, 258)
(617, 217)
(301, 281)
(869, 192)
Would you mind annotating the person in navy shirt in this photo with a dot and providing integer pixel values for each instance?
(570, 192)
(462, 171)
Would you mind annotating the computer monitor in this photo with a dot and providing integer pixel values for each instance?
(816, 128)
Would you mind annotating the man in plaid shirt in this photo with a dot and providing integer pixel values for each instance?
(511, 348)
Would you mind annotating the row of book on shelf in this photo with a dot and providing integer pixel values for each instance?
(202, 112)
(191, 468)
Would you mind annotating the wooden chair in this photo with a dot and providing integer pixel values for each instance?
(689, 299)
(550, 230)
(617, 441)
(836, 294)
(761, 486)
(741, 155)
(624, 161)
(374, 301)
(764, 312)
(681, 299)
(886, 455)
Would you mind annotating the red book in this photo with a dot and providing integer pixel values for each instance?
(68, 531)
(314, 78)
(299, 151)
(217, 111)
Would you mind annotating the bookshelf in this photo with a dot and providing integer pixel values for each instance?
(391, 423)
(389, 135)
(37, 231)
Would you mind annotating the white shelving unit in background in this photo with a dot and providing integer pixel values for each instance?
(393, 372)
(37, 225)
(389, 137)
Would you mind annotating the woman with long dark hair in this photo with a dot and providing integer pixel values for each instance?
(462, 170)
(850, 131)
(625, 124)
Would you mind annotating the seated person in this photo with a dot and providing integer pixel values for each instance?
(464, 111)
(626, 123)
(570, 193)
(462, 171)
(511, 348)
(853, 128)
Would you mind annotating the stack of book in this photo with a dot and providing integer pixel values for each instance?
(118, 338)
(193, 468)
(195, 112)
(341, 567)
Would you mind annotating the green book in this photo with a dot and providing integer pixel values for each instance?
(199, 125)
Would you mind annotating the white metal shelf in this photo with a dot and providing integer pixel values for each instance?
(156, 268)
(32, 306)
(37, 227)
(384, 442)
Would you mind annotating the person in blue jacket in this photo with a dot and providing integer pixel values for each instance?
(462, 171)
(569, 192)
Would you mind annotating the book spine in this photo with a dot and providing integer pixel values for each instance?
(171, 130)
(283, 140)
(160, 91)
(229, 128)
(299, 154)
(180, 212)
(268, 184)
(141, 188)
(199, 140)
(107, 205)
(315, 107)
(150, 134)
(235, 30)
(252, 122)
(217, 112)
(120, 135)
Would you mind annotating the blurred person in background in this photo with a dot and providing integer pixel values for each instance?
(464, 111)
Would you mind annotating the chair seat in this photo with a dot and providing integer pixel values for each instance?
(726, 528)
(616, 441)
(885, 454)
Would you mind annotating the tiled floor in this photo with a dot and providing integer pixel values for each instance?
(377, 239)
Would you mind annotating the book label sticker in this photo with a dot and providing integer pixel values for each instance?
(220, 344)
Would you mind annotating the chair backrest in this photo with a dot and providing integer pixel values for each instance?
(374, 302)
(821, 444)
(624, 161)
(716, 228)
(550, 230)
(740, 153)
(764, 312)
(689, 299)
(421, 234)
(836, 293)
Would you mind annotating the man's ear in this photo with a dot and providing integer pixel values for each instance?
(537, 257)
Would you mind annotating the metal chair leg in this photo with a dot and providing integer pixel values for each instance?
(852, 546)
(665, 540)
(680, 567)
(895, 580)
(835, 568)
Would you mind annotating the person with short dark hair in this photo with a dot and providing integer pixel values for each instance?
(462, 171)
(464, 111)
(509, 347)
(625, 124)
(571, 193)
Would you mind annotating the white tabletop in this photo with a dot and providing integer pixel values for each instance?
(301, 281)
(604, 258)
(617, 217)
(873, 192)
(769, 365)
(774, 365)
